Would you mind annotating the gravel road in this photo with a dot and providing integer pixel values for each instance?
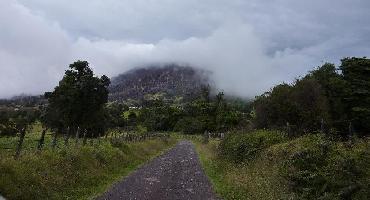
(175, 175)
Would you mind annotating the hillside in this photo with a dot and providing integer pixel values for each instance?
(172, 80)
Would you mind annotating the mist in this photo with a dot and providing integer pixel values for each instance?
(248, 46)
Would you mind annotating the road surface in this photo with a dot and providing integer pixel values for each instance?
(175, 175)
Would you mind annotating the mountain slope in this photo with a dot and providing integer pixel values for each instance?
(172, 80)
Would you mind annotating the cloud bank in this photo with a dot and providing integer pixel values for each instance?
(249, 45)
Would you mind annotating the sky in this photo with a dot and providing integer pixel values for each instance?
(249, 45)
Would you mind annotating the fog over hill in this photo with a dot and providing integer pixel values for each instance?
(171, 80)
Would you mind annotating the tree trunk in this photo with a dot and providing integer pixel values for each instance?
(322, 125)
(99, 136)
(92, 139)
(54, 143)
(77, 135)
(66, 136)
(84, 137)
(42, 140)
(20, 143)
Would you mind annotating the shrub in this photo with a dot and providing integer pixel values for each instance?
(8, 130)
(190, 125)
(325, 169)
(239, 147)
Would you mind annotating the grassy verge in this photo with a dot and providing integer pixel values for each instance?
(255, 180)
(76, 172)
(308, 167)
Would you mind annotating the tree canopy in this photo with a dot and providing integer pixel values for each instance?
(79, 99)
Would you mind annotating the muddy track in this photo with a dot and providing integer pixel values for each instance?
(175, 175)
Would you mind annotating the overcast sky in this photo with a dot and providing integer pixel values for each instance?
(250, 45)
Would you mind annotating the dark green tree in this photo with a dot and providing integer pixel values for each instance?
(356, 72)
(78, 101)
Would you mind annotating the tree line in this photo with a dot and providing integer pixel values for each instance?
(334, 100)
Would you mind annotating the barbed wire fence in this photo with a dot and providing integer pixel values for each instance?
(37, 142)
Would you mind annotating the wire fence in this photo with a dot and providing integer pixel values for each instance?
(40, 140)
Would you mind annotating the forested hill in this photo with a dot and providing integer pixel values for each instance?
(170, 80)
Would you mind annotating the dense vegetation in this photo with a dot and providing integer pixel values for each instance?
(328, 99)
(271, 165)
(204, 113)
(311, 140)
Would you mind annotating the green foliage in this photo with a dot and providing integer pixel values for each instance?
(114, 113)
(7, 126)
(78, 100)
(241, 147)
(195, 117)
(158, 116)
(324, 169)
(14, 121)
(335, 89)
(302, 105)
(190, 125)
(257, 179)
(356, 72)
(307, 167)
(323, 95)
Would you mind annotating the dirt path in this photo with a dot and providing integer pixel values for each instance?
(176, 175)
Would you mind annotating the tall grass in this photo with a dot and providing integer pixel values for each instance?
(308, 167)
(74, 172)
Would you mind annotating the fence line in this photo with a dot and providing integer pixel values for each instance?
(31, 143)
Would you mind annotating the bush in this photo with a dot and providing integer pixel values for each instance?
(8, 130)
(239, 147)
(324, 169)
(190, 125)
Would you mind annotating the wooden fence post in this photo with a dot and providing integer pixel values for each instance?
(54, 143)
(99, 137)
(77, 135)
(288, 129)
(20, 143)
(67, 135)
(322, 125)
(42, 140)
(84, 137)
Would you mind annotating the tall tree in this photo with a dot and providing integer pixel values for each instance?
(356, 71)
(79, 98)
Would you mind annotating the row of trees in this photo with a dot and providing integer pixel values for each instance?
(330, 99)
(205, 112)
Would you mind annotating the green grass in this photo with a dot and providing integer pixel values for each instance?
(81, 172)
(281, 169)
(255, 180)
(33, 133)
